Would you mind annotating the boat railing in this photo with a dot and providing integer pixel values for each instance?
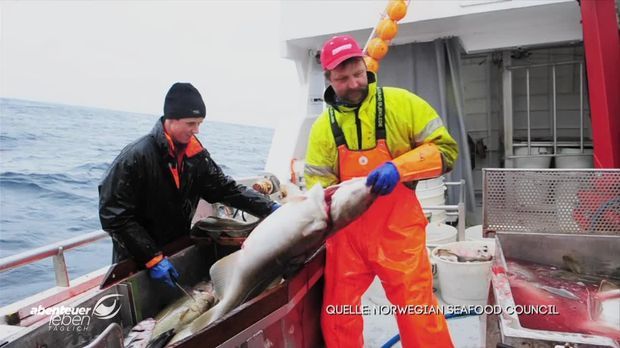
(453, 209)
(54, 250)
(20, 312)
(554, 143)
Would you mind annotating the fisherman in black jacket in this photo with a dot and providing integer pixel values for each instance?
(152, 189)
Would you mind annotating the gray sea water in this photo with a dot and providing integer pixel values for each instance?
(52, 158)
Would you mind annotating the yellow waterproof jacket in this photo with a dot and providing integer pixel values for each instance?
(410, 122)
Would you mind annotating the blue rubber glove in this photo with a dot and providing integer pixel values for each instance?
(275, 206)
(164, 272)
(383, 179)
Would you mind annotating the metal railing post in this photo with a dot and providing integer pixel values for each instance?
(507, 110)
(555, 113)
(581, 107)
(43, 252)
(461, 210)
(60, 268)
(529, 125)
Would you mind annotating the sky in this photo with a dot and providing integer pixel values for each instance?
(125, 55)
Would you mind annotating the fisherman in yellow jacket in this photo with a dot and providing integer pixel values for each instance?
(394, 138)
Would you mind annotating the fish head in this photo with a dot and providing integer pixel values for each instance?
(447, 255)
(348, 201)
(202, 302)
(572, 264)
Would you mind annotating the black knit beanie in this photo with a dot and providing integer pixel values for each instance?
(183, 101)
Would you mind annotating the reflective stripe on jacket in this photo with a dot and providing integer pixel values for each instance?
(410, 122)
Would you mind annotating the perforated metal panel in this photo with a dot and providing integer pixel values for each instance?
(552, 201)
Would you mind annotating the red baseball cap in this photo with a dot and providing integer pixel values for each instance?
(338, 49)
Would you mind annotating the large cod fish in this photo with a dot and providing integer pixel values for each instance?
(281, 242)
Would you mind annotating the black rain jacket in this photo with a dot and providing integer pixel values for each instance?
(141, 207)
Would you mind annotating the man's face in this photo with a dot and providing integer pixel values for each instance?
(350, 81)
(183, 129)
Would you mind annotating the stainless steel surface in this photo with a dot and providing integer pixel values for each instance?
(490, 68)
(460, 236)
(592, 254)
(546, 249)
(461, 210)
(545, 216)
(507, 109)
(192, 263)
(529, 125)
(111, 337)
(551, 200)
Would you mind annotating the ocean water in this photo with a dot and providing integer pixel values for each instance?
(52, 157)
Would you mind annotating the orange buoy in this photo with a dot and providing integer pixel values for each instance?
(371, 64)
(387, 29)
(396, 10)
(377, 48)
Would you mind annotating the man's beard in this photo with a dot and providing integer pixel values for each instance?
(348, 97)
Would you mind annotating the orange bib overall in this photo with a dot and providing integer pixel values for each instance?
(388, 240)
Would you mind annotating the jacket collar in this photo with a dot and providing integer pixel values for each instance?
(165, 144)
(330, 95)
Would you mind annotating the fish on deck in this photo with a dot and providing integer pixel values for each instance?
(584, 304)
(481, 254)
(281, 242)
(183, 311)
(140, 335)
